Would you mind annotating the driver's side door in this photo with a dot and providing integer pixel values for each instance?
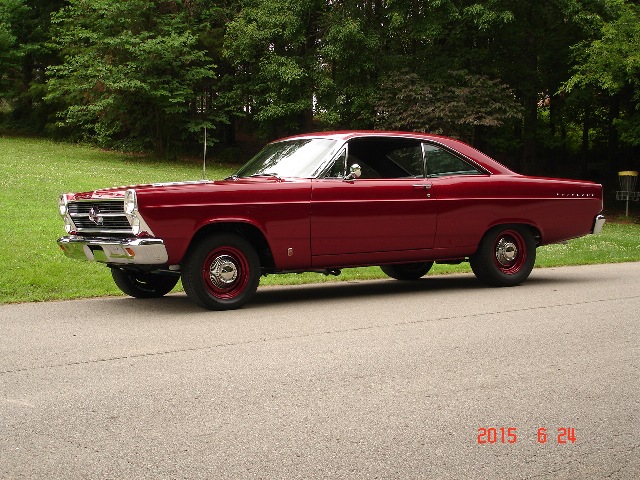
(381, 215)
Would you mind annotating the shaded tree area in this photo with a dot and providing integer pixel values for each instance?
(132, 73)
(25, 54)
(547, 87)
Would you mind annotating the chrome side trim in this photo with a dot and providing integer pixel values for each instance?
(598, 224)
(128, 251)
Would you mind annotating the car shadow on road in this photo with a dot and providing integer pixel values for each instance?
(387, 287)
(352, 289)
(290, 294)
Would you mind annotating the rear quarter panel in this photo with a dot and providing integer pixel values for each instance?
(468, 206)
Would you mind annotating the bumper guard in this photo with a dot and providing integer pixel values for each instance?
(598, 224)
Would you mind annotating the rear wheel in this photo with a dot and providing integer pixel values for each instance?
(143, 284)
(505, 256)
(407, 271)
(221, 272)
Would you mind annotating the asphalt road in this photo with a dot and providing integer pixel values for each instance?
(378, 379)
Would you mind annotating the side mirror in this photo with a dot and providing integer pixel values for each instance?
(354, 172)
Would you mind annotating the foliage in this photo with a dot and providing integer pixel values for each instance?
(130, 70)
(24, 55)
(457, 108)
(10, 53)
(611, 64)
(350, 52)
(546, 84)
(271, 45)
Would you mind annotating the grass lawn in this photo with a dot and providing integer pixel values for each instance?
(33, 173)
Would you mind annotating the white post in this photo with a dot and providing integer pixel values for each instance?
(204, 156)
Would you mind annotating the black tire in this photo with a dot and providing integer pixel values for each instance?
(221, 272)
(407, 271)
(143, 284)
(505, 256)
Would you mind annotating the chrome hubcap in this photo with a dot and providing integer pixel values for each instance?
(223, 271)
(506, 252)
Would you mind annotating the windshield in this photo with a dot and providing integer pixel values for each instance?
(302, 158)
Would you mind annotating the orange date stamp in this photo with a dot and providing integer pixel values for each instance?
(509, 435)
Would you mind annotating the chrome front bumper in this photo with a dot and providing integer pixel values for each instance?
(129, 251)
(598, 224)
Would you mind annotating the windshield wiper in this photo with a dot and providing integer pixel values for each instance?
(232, 177)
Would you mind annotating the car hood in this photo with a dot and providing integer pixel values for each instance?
(114, 193)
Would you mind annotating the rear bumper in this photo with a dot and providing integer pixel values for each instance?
(598, 224)
(127, 251)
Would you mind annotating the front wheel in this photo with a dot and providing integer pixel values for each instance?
(505, 256)
(143, 284)
(221, 272)
(407, 271)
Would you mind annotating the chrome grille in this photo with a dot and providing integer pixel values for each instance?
(99, 216)
(106, 206)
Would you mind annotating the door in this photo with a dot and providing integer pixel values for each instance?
(390, 208)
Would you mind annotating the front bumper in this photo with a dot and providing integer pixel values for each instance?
(127, 251)
(598, 224)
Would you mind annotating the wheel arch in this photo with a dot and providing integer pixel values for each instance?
(246, 230)
(532, 227)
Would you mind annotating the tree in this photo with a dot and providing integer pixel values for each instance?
(527, 46)
(609, 67)
(24, 55)
(352, 54)
(132, 72)
(10, 53)
(540, 84)
(272, 46)
(459, 108)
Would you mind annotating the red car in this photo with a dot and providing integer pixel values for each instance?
(326, 201)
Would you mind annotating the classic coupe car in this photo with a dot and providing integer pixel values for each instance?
(326, 201)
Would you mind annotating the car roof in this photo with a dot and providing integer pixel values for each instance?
(493, 166)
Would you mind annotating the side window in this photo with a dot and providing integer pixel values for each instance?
(409, 159)
(383, 157)
(440, 162)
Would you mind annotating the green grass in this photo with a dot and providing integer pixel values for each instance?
(33, 173)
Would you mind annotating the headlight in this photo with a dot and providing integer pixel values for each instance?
(130, 202)
(63, 205)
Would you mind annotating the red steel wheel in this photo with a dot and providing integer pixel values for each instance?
(505, 256)
(510, 252)
(225, 272)
(221, 272)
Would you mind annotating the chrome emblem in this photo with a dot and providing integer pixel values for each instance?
(94, 216)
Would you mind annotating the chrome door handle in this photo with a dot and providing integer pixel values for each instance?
(424, 186)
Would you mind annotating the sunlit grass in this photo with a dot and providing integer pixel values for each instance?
(34, 172)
